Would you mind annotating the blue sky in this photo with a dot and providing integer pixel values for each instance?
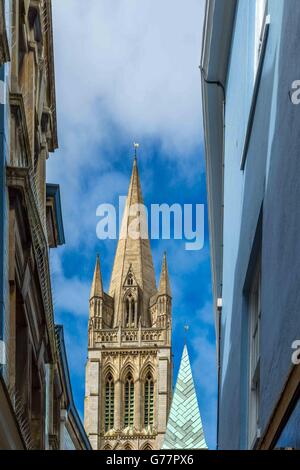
(128, 71)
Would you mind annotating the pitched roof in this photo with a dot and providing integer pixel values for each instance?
(184, 429)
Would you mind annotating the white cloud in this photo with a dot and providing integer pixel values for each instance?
(133, 63)
(81, 204)
(125, 70)
(206, 315)
(70, 294)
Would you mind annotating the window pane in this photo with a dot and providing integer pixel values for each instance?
(129, 403)
(109, 404)
(149, 401)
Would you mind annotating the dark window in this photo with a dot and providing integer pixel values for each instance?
(109, 403)
(129, 402)
(148, 400)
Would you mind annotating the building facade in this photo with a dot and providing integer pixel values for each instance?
(129, 366)
(250, 62)
(72, 435)
(32, 375)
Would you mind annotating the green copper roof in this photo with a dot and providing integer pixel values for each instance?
(184, 429)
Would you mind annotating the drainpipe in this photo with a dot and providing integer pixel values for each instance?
(219, 312)
(219, 300)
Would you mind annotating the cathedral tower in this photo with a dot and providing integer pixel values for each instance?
(129, 365)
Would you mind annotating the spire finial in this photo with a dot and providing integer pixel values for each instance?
(136, 146)
(186, 330)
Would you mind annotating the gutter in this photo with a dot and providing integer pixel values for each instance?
(219, 310)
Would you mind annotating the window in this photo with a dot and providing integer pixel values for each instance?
(129, 305)
(254, 306)
(130, 311)
(109, 403)
(148, 400)
(260, 15)
(129, 402)
(147, 446)
(261, 32)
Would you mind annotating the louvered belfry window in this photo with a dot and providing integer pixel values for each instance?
(109, 403)
(149, 400)
(129, 402)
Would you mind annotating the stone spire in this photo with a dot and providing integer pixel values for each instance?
(133, 252)
(184, 429)
(164, 283)
(97, 286)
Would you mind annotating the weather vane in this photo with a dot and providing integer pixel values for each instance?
(136, 146)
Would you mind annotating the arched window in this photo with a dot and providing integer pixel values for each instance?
(129, 402)
(130, 311)
(130, 280)
(148, 400)
(109, 403)
(147, 446)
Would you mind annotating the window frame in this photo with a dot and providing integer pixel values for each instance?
(261, 7)
(148, 409)
(258, 74)
(129, 398)
(109, 403)
(254, 313)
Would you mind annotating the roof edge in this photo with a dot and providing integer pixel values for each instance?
(216, 48)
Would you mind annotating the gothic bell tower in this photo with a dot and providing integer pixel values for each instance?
(129, 366)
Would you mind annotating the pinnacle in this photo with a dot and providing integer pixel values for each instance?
(164, 283)
(97, 286)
